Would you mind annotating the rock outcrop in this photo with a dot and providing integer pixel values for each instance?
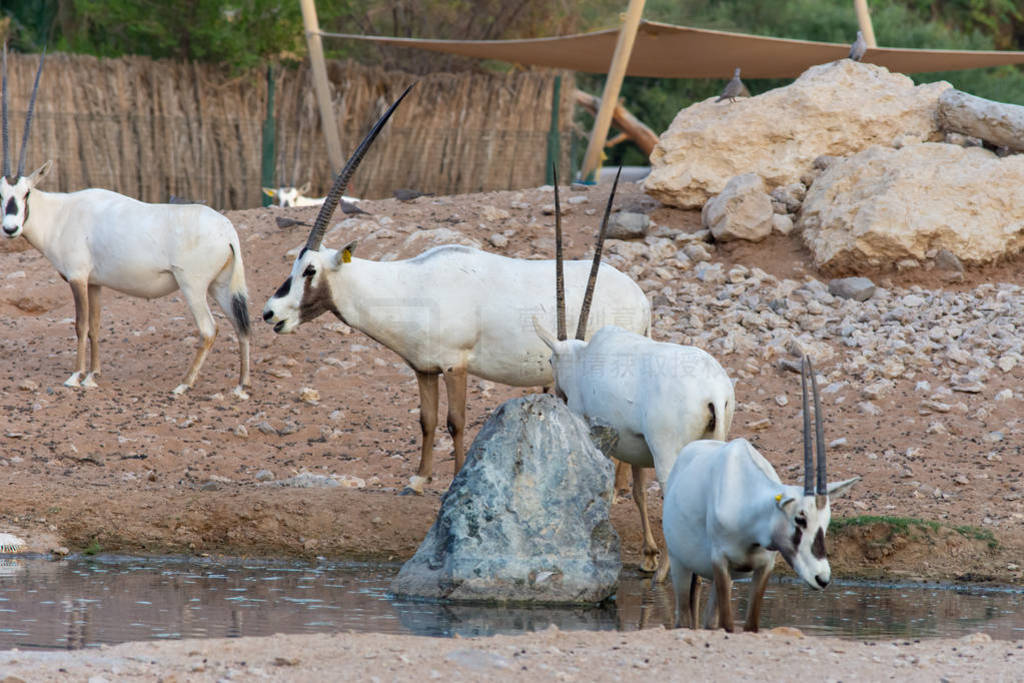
(526, 518)
(997, 123)
(839, 108)
(884, 206)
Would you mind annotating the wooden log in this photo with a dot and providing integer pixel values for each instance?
(634, 128)
(997, 123)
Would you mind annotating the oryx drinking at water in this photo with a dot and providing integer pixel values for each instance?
(727, 512)
(449, 312)
(97, 238)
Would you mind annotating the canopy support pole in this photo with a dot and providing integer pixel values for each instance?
(864, 22)
(320, 85)
(612, 87)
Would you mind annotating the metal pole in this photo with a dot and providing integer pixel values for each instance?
(864, 22)
(612, 87)
(320, 84)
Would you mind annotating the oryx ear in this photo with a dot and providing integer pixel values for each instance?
(270, 192)
(344, 254)
(785, 503)
(544, 334)
(305, 188)
(839, 488)
(40, 173)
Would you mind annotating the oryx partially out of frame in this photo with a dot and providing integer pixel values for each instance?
(450, 312)
(97, 238)
(658, 396)
(727, 513)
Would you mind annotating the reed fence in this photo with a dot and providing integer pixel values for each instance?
(155, 128)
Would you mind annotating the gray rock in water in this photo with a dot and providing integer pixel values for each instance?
(626, 225)
(526, 518)
(856, 288)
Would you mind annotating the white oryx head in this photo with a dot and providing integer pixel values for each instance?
(287, 195)
(564, 352)
(803, 517)
(306, 293)
(15, 189)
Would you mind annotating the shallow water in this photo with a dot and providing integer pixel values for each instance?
(84, 602)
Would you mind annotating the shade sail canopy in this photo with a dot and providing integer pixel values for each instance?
(668, 51)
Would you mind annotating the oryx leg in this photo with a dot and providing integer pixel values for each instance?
(687, 591)
(710, 618)
(621, 479)
(80, 294)
(649, 551)
(723, 593)
(757, 586)
(455, 387)
(195, 298)
(94, 337)
(428, 425)
(222, 293)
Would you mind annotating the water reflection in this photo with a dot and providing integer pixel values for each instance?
(84, 602)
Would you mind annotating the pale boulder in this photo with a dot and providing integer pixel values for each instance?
(838, 108)
(743, 211)
(998, 123)
(885, 205)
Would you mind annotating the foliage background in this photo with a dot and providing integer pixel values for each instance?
(241, 34)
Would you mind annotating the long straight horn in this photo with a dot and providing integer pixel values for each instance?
(3, 119)
(559, 264)
(819, 434)
(316, 235)
(588, 295)
(808, 456)
(28, 117)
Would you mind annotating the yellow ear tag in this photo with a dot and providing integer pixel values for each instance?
(346, 256)
(778, 498)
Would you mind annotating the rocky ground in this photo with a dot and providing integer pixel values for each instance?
(921, 386)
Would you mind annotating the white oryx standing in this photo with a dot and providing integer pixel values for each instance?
(449, 312)
(727, 513)
(97, 238)
(658, 396)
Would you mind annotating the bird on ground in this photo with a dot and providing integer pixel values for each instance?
(351, 208)
(732, 89)
(405, 195)
(283, 222)
(859, 47)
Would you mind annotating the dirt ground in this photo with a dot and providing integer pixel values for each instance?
(128, 468)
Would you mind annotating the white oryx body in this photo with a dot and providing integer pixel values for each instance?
(96, 238)
(726, 514)
(296, 196)
(657, 396)
(450, 311)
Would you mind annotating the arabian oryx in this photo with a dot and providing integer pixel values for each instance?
(97, 238)
(658, 396)
(727, 513)
(449, 312)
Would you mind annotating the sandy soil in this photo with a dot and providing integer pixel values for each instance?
(128, 468)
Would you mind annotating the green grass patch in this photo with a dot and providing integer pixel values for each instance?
(94, 548)
(910, 526)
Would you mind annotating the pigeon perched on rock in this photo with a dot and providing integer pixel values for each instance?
(732, 89)
(859, 47)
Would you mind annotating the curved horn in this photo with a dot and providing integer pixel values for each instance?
(3, 116)
(588, 295)
(819, 434)
(808, 456)
(28, 117)
(316, 235)
(559, 264)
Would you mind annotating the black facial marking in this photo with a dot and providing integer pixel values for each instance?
(310, 271)
(713, 420)
(798, 533)
(284, 288)
(818, 547)
(12, 207)
(801, 522)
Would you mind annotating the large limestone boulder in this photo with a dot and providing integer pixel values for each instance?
(743, 211)
(838, 108)
(885, 205)
(998, 123)
(526, 518)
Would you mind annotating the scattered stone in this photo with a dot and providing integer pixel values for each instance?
(498, 241)
(759, 425)
(307, 480)
(264, 475)
(856, 288)
(742, 211)
(241, 431)
(947, 260)
(782, 224)
(28, 385)
(309, 395)
(625, 225)
(493, 213)
(1004, 395)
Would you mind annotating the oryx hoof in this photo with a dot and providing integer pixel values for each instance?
(240, 393)
(75, 380)
(649, 564)
(90, 380)
(180, 389)
(415, 486)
